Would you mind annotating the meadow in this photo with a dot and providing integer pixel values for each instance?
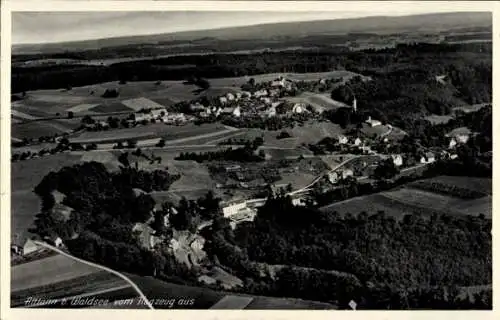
(25, 175)
(79, 283)
(157, 130)
(409, 200)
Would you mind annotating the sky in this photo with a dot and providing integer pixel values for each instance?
(45, 27)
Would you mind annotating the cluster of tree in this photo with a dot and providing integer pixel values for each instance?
(283, 135)
(440, 251)
(243, 154)
(220, 65)
(233, 141)
(272, 123)
(111, 93)
(105, 206)
(386, 170)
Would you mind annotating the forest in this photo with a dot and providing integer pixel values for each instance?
(378, 261)
(466, 64)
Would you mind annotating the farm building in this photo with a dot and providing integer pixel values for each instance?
(271, 112)
(260, 93)
(159, 113)
(342, 139)
(427, 158)
(54, 240)
(373, 122)
(274, 92)
(335, 176)
(233, 208)
(232, 168)
(397, 159)
(266, 100)
(145, 237)
(139, 116)
(299, 108)
(27, 248)
(223, 100)
(206, 280)
(197, 107)
(174, 117)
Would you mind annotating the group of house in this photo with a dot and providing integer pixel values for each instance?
(160, 114)
(262, 102)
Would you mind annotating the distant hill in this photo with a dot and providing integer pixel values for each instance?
(374, 25)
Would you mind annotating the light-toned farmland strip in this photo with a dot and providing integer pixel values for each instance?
(22, 115)
(90, 294)
(82, 107)
(207, 135)
(141, 103)
(46, 271)
(94, 265)
(233, 302)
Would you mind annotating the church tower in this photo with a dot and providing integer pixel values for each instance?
(354, 105)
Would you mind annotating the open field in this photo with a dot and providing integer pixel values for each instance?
(48, 271)
(157, 130)
(483, 185)
(406, 200)
(309, 133)
(282, 153)
(140, 103)
(78, 286)
(206, 298)
(25, 175)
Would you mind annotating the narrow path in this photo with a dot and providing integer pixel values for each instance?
(116, 273)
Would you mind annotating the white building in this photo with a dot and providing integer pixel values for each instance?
(354, 105)
(174, 117)
(230, 97)
(246, 94)
(238, 95)
(237, 112)
(29, 247)
(299, 108)
(342, 139)
(271, 112)
(197, 107)
(233, 208)
(159, 113)
(139, 116)
(452, 143)
(347, 173)
(427, 158)
(372, 122)
(260, 93)
(397, 159)
(357, 142)
(266, 100)
(274, 92)
(223, 100)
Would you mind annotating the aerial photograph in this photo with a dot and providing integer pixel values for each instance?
(294, 160)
